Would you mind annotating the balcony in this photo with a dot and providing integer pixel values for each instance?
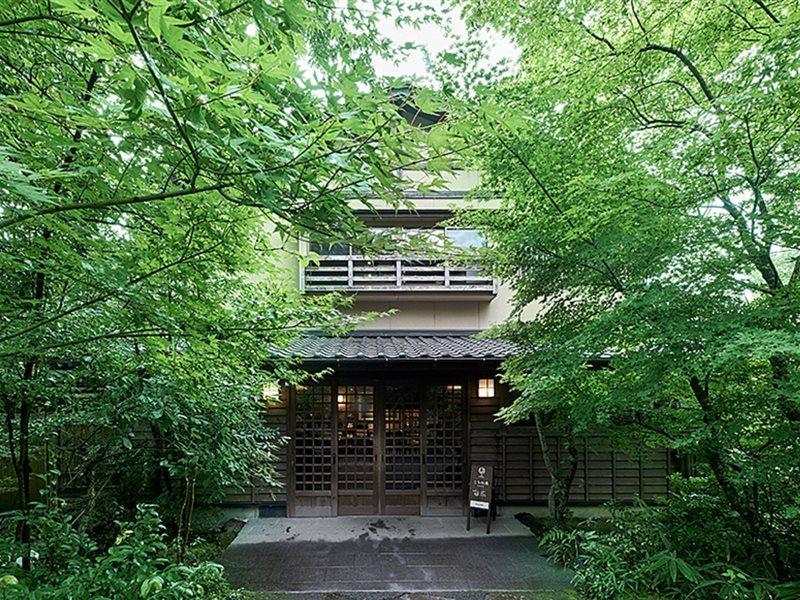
(395, 275)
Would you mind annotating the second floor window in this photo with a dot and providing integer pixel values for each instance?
(337, 249)
(466, 239)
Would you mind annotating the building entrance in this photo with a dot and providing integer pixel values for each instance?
(378, 448)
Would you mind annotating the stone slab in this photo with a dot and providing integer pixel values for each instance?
(388, 554)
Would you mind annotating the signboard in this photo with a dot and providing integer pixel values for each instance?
(480, 486)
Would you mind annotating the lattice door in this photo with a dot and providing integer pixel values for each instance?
(444, 435)
(403, 456)
(402, 434)
(312, 439)
(356, 449)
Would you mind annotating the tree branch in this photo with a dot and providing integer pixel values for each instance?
(223, 13)
(151, 68)
(766, 9)
(688, 64)
(186, 257)
(615, 281)
(599, 38)
(31, 18)
(109, 203)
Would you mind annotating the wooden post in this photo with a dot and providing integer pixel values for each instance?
(334, 416)
(291, 458)
(669, 467)
(531, 464)
(585, 469)
(613, 474)
(350, 271)
(503, 471)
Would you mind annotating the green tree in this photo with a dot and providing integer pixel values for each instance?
(157, 161)
(647, 158)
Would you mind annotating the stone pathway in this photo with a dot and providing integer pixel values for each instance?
(548, 595)
(388, 554)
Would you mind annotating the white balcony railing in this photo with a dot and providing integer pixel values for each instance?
(393, 274)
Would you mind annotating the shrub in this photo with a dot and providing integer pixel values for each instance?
(689, 546)
(67, 564)
(563, 546)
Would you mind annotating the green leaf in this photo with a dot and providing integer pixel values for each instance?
(154, 19)
(296, 12)
(77, 8)
(100, 48)
(151, 585)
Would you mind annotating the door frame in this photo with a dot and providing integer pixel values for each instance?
(462, 379)
(377, 444)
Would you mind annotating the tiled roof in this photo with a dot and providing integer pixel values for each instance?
(370, 346)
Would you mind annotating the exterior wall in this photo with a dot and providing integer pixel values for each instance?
(515, 453)
(440, 314)
(455, 185)
(276, 416)
(444, 311)
(514, 450)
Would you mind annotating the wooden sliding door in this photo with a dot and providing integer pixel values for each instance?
(402, 456)
(394, 448)
(358, 451)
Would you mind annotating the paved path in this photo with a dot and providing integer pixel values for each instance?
(400, 554)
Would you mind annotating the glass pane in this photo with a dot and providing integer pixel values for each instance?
(324, 249)
(443, 433)
(402, 435)
(313, 439)
(356, 429)
(465, 238)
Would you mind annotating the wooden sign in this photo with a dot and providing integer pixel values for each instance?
(480, 486)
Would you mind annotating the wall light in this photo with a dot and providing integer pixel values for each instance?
(270, 392)
(485, 388)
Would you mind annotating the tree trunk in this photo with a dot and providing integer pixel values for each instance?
(185, 517)
(23, 469)
(163, 481)
(759, 529)
(24, 481)
(560, 479)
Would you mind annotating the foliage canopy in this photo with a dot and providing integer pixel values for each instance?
(647, 158)
(158, 162)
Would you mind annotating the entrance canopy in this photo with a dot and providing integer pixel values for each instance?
(384, 346)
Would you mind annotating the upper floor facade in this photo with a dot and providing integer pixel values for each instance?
(421, 293)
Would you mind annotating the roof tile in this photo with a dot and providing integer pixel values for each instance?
(384, 346)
